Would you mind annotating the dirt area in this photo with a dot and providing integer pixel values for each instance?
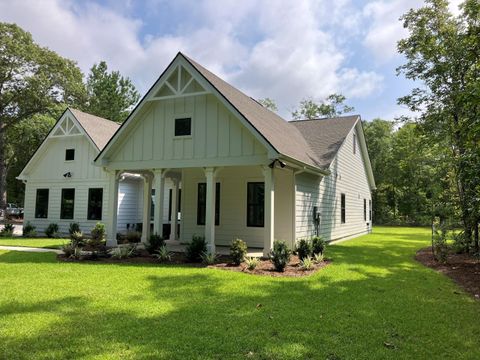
(464, 269)
(264, 267)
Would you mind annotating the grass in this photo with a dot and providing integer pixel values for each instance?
(33, 242)
(373, 302)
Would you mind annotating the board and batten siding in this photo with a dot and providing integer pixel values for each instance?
(348, 176)
(218, 137)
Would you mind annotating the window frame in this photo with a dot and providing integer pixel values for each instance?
(258, 205)
(343, 208)
(62, 204)
(89, 204)
(71, 151)
(370, 209)
(175, 127)
(37, 202)
(364, 209)
(354, 143)
(202, 205)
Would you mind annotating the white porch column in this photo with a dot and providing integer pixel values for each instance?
(147, 204)
(159, 201)
(210, 210)
(269, 211)
(174, 221)
(112, 208)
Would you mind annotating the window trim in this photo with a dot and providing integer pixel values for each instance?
(370, 209)
(66, 151)
(364, 209)
(182, 117)
(261, 223)
(343, 208)
(36, 203)
(62, 209)
(354, 143)
(89, 202)
(217, 204)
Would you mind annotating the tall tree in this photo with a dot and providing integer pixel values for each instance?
(333, 105)
(33, 79)
(110, 95)
(443, 54)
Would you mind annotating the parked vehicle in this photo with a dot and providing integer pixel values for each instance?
(14, 211)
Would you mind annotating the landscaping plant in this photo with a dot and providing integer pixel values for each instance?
(304, 249)
(162, 254)
(196, 248)
(29, 230)
(7, 230)
(76, 239)
(238, 250)
(52, 230)
(252, 262)
(280, 255)
(307, 263)
(155, 243)
(318, 245)
(318, 258)
(123, 252)
(73, 228)
(209, 258)
(133, 237)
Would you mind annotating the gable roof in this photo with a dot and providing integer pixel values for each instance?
(100, 130)
(326, 136)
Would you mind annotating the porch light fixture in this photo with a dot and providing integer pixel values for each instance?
(281, 163)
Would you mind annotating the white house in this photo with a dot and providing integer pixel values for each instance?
(243, 170)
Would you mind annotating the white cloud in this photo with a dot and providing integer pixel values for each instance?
(281, 49)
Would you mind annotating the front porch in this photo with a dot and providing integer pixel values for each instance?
(253, 203)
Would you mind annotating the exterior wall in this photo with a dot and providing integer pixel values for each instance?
(129, 208)
(218, 138)
(348, 176)
(233, 205)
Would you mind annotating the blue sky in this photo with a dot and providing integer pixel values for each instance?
(285, 50)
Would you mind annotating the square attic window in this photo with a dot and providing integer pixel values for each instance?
(69, 154)
(183, 127)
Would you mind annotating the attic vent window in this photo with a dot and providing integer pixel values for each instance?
(183, 127)
(69, 154)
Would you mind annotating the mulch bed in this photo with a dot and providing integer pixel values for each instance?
(464, 269)
(264, 267)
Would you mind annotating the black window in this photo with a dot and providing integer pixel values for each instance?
(255, 204)
(370, 209)
(179, 203)
(41, 204)
(364, 209)
(342, 209)
(183, 127)
(95, 202)
(69, 154)
(354, 143)
(68, 203)
(202, 203)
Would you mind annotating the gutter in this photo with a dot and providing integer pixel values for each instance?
(304, 167)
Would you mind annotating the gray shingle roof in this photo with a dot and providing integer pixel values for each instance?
(99, 129)
(325, 136)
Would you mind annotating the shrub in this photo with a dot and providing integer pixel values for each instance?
(76, 238)
(73, 228)
(304, 249)
(307, 263)
(52, 230)
(7, 230)
(162, 254)
(97, 241)
(68, 249)
(252, 262)
(154, 243)
(318, 258)
(318, 245)
(196, 248)
(98, 232)
(280, 255)
(133, 237)
(238, 250)
(209, 258)
(29, 230)
(77, 253)
(439, 244)
(124, 252)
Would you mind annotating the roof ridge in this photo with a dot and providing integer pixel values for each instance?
(325, 118)
(90, 114)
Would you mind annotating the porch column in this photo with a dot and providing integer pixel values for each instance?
(210, 210)
(112, 208)
(159, 201)
(269, 214)
(147, 205)
(174, 222)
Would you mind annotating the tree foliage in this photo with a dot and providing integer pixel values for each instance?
(268, 103)
(333, 105)
(110, 95)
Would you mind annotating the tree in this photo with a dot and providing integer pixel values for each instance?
(110, 95)
(268, 103)
(442, 54)
(33, 79)
(333, 105)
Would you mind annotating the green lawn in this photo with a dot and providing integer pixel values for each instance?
(373, 294)
(40, 242)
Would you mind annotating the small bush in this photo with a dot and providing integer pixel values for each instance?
(162, 254)
(68, 249)
(318, 258)
(196, 248)
(252, 262)
(29, 230)
(76, 239)
(96, 243)
(7, 230)
(238, 250)
(77, 253)
(98, 232)
(318, 245)
(124, 252)
(440, 247)
(304, 249)
(280, 255)
(209, 258)
(133, 237)
(73, 228)
(154, 243)
(52, 230)
(307, 263)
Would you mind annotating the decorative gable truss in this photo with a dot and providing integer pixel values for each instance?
(66, 127)
(180, 83)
